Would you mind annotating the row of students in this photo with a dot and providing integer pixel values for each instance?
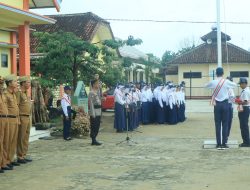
(140, 103)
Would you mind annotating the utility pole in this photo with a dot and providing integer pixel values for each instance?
(219, 35)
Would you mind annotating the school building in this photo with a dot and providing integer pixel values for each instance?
(15, 21)
(197, 66)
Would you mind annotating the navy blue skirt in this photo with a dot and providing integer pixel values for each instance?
(120, 117)
(145, 113)
(173, 115)
(160, 114)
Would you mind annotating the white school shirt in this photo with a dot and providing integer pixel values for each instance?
(164, 94)
(231, 95)
(245, 96)
(119, 97)
(155, 92)
(159, 97)
(171, 98)
(65, 102)
(150, 95)
(223, 93)
(178, 97)
(144, 95)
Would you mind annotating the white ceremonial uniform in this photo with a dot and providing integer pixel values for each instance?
(223, 93)
(245, 96)
(65, 103)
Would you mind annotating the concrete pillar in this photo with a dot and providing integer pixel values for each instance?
(13, 53)
(24, 49)
(137, 76)
(144, 76)
(131, 76)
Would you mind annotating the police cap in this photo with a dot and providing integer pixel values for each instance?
(243, 80)
(10, 77)
(24, 78)
(67, 87)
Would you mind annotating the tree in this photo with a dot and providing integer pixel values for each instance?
(66, 58)
(167, 56)
(113, 73)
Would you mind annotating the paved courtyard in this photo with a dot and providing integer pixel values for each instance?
(166, 157)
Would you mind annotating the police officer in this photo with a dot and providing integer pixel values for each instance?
(95, 110)
(244, 114)
(221, 106)
(67, 112)
(13, 117)
(24, 104)
(4, 130)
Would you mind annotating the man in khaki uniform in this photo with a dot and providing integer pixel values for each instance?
(24, 105)
(13, 112)
(3, 128)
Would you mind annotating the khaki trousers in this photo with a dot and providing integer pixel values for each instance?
(13, 133)
(4, 141)
(23, 137)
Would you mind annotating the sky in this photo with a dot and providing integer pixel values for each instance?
(159, 37)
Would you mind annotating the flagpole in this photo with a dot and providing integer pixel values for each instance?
(219, 35)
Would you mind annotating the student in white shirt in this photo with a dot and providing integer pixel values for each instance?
(220, 101)
(244, 114)
(67, 111)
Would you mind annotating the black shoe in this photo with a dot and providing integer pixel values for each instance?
(96, 143)
(21, 161)
(1, 171)
(244, 145)
(10, 166)
(15, 164)
(68, 139)
(7, 168)
(225, 146)
(28, 159)
(218, 147)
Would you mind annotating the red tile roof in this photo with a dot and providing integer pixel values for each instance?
(82, 25)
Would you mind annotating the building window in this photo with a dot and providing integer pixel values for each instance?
(188, 75)
(4, 60)
(237, 74)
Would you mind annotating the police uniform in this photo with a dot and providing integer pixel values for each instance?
(13, 118)
(95, 115)
(221, 106)
(4, 130)
(24, 104)
(67, 113)
(244, 114)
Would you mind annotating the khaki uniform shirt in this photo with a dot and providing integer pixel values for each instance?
(3, 105)
(12, 103)
(23, 101)
(94, 104)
